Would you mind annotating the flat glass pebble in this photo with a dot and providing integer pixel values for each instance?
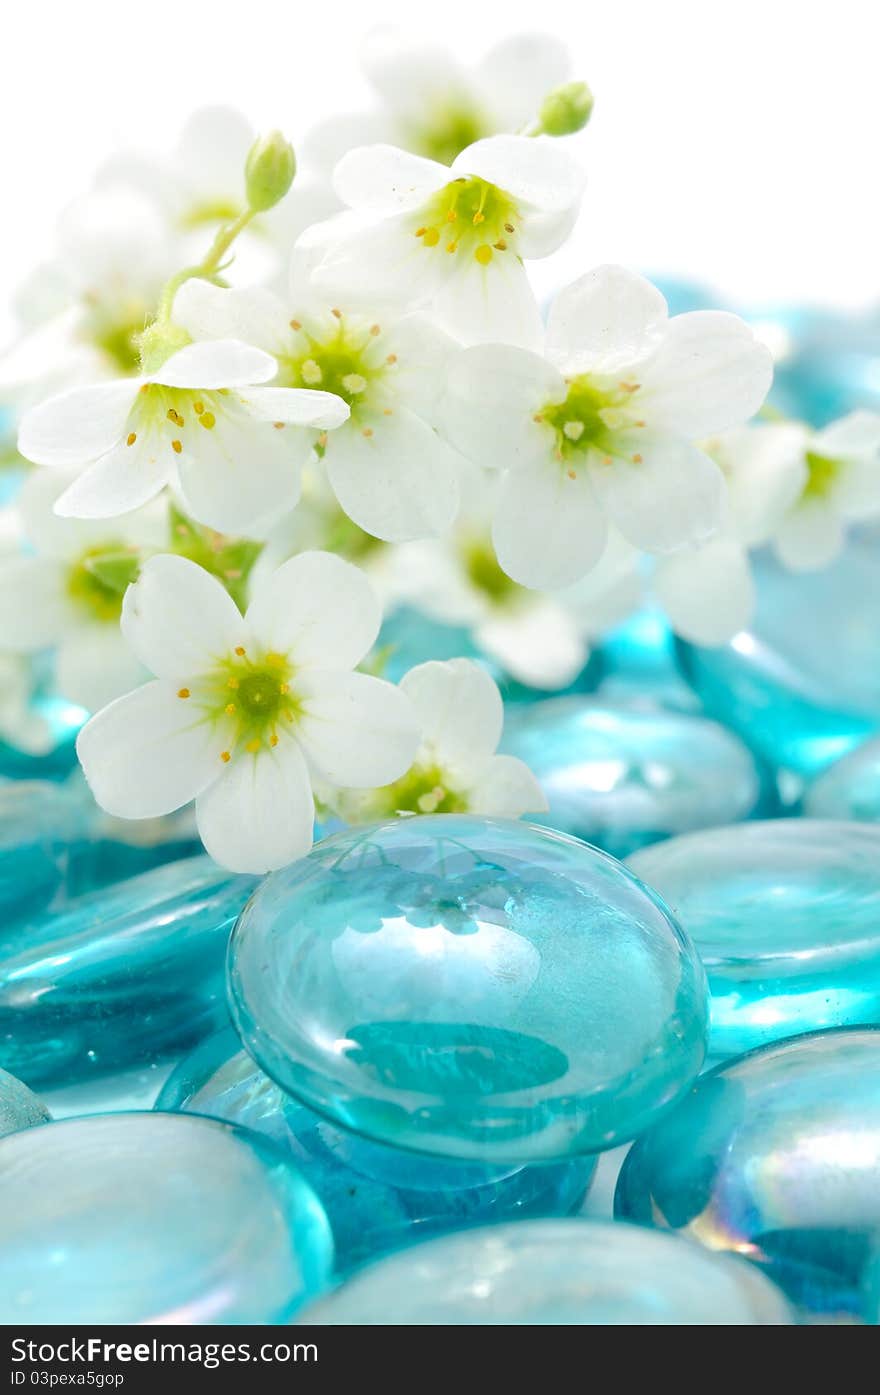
(472, 988)
(638, 661)
(155, 1218)
(376, 1198)
(19, 1107)
(627, 774)
(775, 1156)
(848, 789)
(786, 918)
(122, 976)
(802, 685)
(548, 1273)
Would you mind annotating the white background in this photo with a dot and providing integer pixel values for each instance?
(732, 142)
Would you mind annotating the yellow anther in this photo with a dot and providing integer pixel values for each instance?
(311, 372)
(183, 692)
(253, 745)
(637, 459)
(239, 649)
(225, 757)
(198, 408)
(500, 245)
(538, 418)
(176, 447)
(174, 415)
(483, 254)
(452, 246)
(367, 431)
(451, 216)
(353, 382)
(607, 459)
(630, 387)
(145, 387)
(336, 312)
(131, 438)
(572, 474)
(296, 324)
(273, 740)
(232, 683)
(279, 425)
(284, 688)
(420, 232)
(375, 329)
(639, 423)
(387, 412)
(509, 228)
(207, 420)
(229, 709)
(392, 358)
(479, 218)
(431, 237)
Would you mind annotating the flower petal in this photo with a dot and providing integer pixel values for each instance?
(317, 608)
(709, 373)
(216, 363)
(253, 316)
(518, 73)
(243, 473)
(537, 172)
(382, 179)
(178, 619)
(34, 611)
(148, 753)
(373, 265)
(539, 645)
(493, 394)
(121, 481)
(494, 303)
(708, 592)
(548, 530)
(507, 787)
(94, 665)
(357, 731)
(297, 406)
(810, 536)
(459, 711)
(858, 433)
(398, 483)
(260, 814)
(765, 472)
(77, 426)
(672, 495)
(605, 321)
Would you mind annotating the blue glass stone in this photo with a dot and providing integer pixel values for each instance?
(551, 1273)
(827, 364)
(802, 685)
(626, 775)
(638, 661)
(61, 720)
(376, 1198)
(775, 1156)
(19, 1108)
(125, 975)
(473, 988)
(848, 789)
(155, 1218)
(786, 918)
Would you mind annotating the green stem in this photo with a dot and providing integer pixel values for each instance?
(206, 268)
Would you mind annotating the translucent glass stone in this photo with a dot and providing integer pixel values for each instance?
(638, 662)
(472, 988)
(625, 775)
(786, 918)
(848, 789)
(125, 975)
(775, 1156)
(376, 1198)
(19, 1107)
(548, 1273)
(155, 1218)
(802, 686)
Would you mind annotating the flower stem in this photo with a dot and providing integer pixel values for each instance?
(207, 267)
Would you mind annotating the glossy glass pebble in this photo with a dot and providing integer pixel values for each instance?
(125, 975)
(638, 662)
(155, 1218)
(786, 918)
(550, 1273)
(376, 1198)
(802, 685)
(775, 1156)
(625, 775)
(848, 789)
(19, 1107)
(473, 988)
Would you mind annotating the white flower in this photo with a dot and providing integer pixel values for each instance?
(602, 426)
(67, 594)
(390, 471)
(455, 237)
(22, 725)
(245, 711)
(197, 419)
(433, 105)
(460, 715)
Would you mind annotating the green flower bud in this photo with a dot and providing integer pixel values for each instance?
(566, 110)
(269, 171)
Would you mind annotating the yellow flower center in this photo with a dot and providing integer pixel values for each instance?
(469, 217)
(594, 410)
(249, 699)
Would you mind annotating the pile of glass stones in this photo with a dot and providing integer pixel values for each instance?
(454, 1070)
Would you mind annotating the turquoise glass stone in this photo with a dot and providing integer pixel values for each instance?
(827, 364)
(551, 1273)
(19, 1107)
(473, 988)
(625, 775)
(128, 974)
(848, 789)
(802, 685)
(376, 1198)
(638, 661)
(155, 1218)
(786, 918)
(775, 1156)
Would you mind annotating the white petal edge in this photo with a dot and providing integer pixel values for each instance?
(178, 619)
(260, 814)
(318, 609)
(459, 711)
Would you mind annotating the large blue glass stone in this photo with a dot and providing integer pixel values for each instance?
(155, 1218)
(786, 918)
(19, 1107)
(377, 1198)
(129, 974)
(551, 1273)
(638, 661)
(626, 775)
(848, 789)
(802, 685)
(775, 1156)
(473, 988)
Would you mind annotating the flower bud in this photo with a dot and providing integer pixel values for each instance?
(269, 171)
(566, 110)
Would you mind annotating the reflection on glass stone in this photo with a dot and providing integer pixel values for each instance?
(125, 975)
(848, 789)
(477, 989)
(54, 724)
(775, 1156)
(19, 1107)
(638, 663)
(786, 918)
(155, 1218)
(802, 686)
(546, 1273)
(376, 1198)
(827, 364)
(626, 775)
